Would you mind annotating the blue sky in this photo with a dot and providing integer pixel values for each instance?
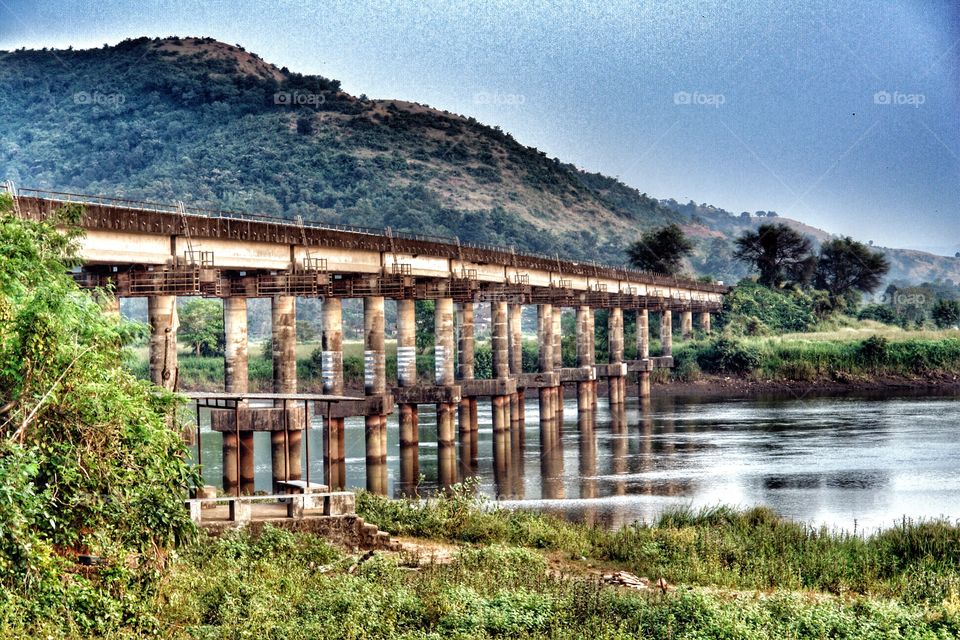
(841, 114)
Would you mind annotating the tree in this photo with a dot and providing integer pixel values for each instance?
(201, 326)
(780, 253)
(661, 250)
(946, 313)
(847, 267)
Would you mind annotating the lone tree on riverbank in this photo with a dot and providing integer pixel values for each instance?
(781, 254)
(847, 268)
(661, 250)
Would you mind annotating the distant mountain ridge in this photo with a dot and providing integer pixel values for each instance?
(198, 120)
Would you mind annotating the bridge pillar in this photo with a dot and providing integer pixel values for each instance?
(285, 445)
(516, 365)
(235, 379)
(585, 358)
(446, 412)
(666, 333)
(466, 371)
(407, 377)
(686, 324)
(545, 364)
(331, 356)
(616, 385)
(162, 315)
(375, 384)
(643, 350)
(500, 347)
(705, 322)
(558, 363)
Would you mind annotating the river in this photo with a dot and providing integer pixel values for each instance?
(853, 462)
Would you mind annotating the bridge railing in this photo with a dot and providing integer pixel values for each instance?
(583, 267)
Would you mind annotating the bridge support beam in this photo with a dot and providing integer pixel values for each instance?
(548, 395)
(666, 333)
(585, 358)
(705, 322)
(643, 350)
(407, 377)
(235, 379)
(500, 346)
(162, 315)
(616, 385)
(446, 412)
(331, 345)
(686, 324)
(375, 384)
(517, 400)
(467, 411)
(285, 445)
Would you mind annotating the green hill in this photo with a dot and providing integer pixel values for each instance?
(204, 122)
(198, 120)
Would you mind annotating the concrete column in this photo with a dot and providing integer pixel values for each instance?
(545, 344)
(616, 384)
(643, 350)
(446, 413)
(465, 371)
(585, 357)
(584, 342)
(331, 345)
(162, 315)
(375, 383)
(516, 363)
(643, 334)
(705, 322)
(284, 316)
(516, 340)
(500, 346)
(666, 332)
(374, 356)
(443, 327)
(557, 338)
(235, 379)
(235, 352)
(246, 463)
(465, 365)
(406, 343)
(407, 377)
(500, 340)
(284, 448)
(686, 324)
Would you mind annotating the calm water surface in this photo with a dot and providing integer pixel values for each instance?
(839, 461)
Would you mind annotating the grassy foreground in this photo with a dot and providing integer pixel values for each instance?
(513, 573)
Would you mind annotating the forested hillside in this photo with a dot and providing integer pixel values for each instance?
(205, 122)
(201, 121)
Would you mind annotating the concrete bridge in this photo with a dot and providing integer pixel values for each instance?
(162, 251)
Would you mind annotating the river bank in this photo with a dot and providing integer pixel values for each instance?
(468, 571)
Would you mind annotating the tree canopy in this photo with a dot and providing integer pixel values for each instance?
(661, 250)
(780, 253)
(846, 268)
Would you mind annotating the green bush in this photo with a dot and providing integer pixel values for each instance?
(728, 355)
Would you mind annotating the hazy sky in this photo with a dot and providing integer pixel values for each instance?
(841, 114)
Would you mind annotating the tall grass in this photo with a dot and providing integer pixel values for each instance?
(811, 358)
(752, 549)
(283, 585)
